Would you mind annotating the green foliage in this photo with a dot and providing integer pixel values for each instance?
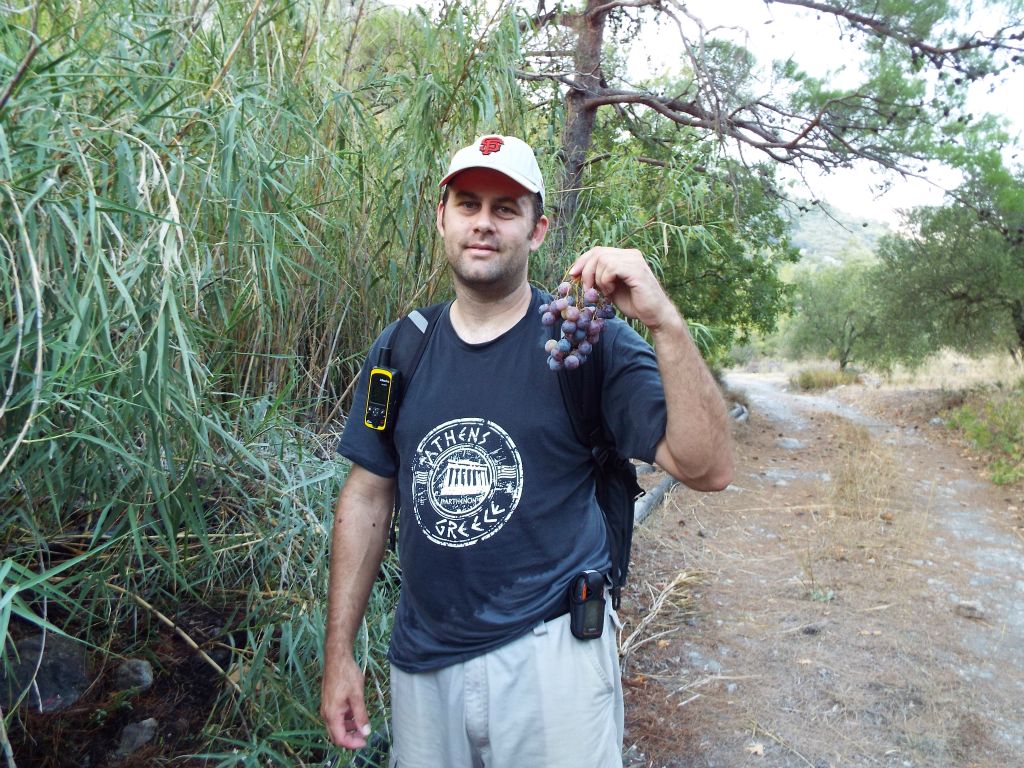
(813, 379)
(835, 314)
(962, 271)
(909, 104)
(725, 273)
(206, 214)
(994, 423)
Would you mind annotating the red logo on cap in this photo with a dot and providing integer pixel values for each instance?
(490, 144)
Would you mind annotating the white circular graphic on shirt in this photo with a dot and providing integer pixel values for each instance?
(467, 477)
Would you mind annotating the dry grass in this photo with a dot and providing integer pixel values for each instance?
(950, 370)
(947, 370)
(863, 517)
(655, 727)
(864, 475)
(657, 610)
(671, 605)
(661, 600)
(981, 398)
(812, 379)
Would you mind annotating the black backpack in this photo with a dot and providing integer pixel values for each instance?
(615, 475)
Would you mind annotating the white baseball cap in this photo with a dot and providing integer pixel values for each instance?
(506, 154)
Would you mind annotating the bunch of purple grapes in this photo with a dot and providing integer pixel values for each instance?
(581, 315)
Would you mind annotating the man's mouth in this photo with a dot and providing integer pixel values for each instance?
(480, 247)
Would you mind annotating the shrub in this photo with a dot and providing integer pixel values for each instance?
(994, 423)
(821, 378)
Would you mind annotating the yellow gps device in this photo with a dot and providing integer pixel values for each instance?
(380, 394)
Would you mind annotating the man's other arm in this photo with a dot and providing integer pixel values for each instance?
(358, 542)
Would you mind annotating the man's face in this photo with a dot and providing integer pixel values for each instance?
(488, 230)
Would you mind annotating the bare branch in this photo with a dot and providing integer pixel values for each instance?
(551, 18)
(537, 77)
(811, 139)
(882, 28)
(607, 7)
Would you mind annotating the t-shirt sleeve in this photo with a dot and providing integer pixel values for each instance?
(633, 398)
(359, 444)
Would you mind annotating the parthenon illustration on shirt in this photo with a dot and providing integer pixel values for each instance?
(465, 478)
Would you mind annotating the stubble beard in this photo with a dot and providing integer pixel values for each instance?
(498, 277)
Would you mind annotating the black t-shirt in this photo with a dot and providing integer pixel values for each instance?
(496, 493)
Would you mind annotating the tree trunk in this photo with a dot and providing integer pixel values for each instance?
(1017, 312)
(579, 125)
(846, 349)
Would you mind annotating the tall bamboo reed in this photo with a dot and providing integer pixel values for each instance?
(207, 211)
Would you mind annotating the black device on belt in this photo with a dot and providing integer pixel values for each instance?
(586, 605)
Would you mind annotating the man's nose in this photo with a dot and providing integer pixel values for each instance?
(484, 220)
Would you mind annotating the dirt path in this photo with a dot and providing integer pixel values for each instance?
(856, 598)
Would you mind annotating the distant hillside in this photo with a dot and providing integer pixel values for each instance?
(825, 240)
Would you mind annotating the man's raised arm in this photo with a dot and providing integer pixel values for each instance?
(696, 448)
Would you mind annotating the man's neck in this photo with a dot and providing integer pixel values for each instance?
(478, 319)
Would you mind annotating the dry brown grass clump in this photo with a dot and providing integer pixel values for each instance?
(657, 719)
(658, 726)
(810, 379)
(952, 371)
(864, 475)
(671, 606)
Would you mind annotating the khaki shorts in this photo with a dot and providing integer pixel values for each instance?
(546, 700)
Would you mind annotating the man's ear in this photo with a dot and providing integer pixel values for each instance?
(440, 218)
(540, 231)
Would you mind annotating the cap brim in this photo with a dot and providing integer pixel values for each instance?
(520, 180)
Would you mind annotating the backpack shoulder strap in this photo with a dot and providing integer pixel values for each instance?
(403, 351)
(581, 393)
(615, 476)
(408, 340)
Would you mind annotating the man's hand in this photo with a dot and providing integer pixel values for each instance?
(342, 706)
(625, 278)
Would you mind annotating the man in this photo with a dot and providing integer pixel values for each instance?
(496, 495)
